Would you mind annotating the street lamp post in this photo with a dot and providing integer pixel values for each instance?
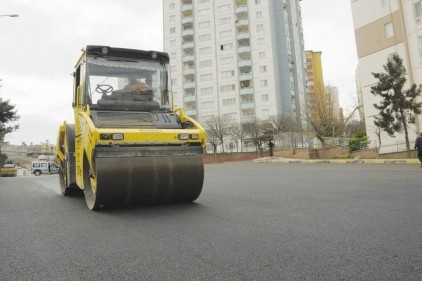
(10, 16)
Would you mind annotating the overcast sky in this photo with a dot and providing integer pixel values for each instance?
(39, 49)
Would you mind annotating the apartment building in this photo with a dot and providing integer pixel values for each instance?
(382, 28)
(239, 58)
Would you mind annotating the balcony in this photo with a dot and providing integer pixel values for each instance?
(246, 119)
(245, 76)
(187, 32)
(246, 106)
(244, 49)
(189, 99)
(243, 36)
(241, 9)
(190, 112)
(187, 21)
(189, 85)
(242, 22)
(244, 63)
(189, 71)
(188, 47)
(188, 58)
(187, 7)
(246, 91)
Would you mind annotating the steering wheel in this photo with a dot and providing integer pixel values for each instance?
(104, 89)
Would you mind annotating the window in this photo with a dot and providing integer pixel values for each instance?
(265, 112)
(261, 41)
(225, 20)
(172, 55)
(172, 18)
(203, 12)
(228, 46)
(226, 33)
(206, 77)
(258, 2)
(264, 83)
(206, 90)
(204, 50)
(418, 9)
(172, 6)
(227, 88)
(261, 55)
(264, 98)
(204, 24)
(205, 63)
(207, 117)
(226, 60)
(231, 115)
(228, 102)
(204, 37)
(207, 104)
(174, 82)
(172, 30)
(204, 1)
(224, 8)
(258, 15)
(172, 43)
(389, 31)
(260, 27)
(227, 74)
(263, 68)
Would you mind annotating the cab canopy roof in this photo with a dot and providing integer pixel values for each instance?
(106, 51)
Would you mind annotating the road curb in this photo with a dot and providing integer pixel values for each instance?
(334, 161)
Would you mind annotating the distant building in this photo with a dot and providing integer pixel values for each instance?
(383, 28)
(243, 59)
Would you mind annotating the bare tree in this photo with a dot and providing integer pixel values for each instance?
(256, 132)
(219, 128)
(237, 134)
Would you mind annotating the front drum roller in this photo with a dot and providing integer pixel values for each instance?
(123, 176)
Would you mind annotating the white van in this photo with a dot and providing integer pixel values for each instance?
(43, 167)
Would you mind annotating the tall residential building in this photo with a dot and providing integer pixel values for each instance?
(239, 58)
(383, 28)
(315, 81)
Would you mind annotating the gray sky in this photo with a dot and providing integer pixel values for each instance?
(39, 49)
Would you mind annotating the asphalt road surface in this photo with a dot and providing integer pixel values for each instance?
(251, 222)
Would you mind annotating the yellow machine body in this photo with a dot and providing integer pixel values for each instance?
(128, 147)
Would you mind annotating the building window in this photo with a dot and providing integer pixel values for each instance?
(206, 77)
(264, 98)
(258, 2)
(204, 24)
(204, 37)
(263, 68)
(227, 74)
(207, 90)
(172, 18)
(420, 46)
(174, 82)
(228, 46)
(204, 50)
(264, 83)
(225, 20)
(226, 33)
(261, 55)
(204, 1)
(226, 60)
(260, 27)
(389, 30)
(172, 43)
(172, 6)
(265, 112)
(258, 15)
(203, 12)
(261, 41)
(207, 104)
(227, 88)
(205, 118)
(172, 30)
(228, 102)
(231, 115)
(418, 9)
(205, 63)
(224, 8)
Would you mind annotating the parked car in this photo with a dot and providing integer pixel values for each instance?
(43, 167)
(8, 170)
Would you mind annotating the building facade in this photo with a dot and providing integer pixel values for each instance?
(239, 58)
(383, 28)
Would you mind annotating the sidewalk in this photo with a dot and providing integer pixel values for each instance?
(335, 161)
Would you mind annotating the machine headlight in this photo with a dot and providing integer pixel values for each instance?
(183, 136)
(117, 136)
(104, 51)
(194, 136)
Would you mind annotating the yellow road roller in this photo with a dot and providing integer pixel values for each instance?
(128, 145)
